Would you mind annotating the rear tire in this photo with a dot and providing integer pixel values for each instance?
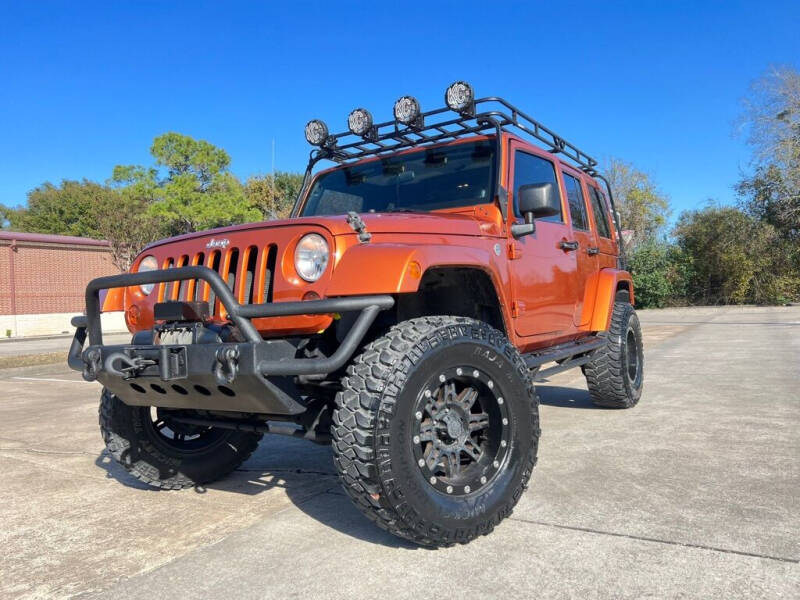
(436, 430)
(615, 374)
(166, 458)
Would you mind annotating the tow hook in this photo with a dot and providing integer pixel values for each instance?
(91, 364)
(133, 364)
(227, 364)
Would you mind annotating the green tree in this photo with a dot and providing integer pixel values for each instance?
(6, 213)
(195, 192)
(129, 224)
(661, 271)
(734, 258)
(642, 208)
(67, 209)
(273, 196)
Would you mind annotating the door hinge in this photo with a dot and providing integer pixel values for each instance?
(514, 251)
(514, 309)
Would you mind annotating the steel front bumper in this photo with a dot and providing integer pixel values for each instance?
(251, 376)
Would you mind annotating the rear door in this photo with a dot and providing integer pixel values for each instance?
(543, 276)
(584, 244)
(603, 226)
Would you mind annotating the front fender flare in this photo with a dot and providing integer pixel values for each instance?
(390, 269)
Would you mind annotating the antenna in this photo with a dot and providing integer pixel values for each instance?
(274, 200)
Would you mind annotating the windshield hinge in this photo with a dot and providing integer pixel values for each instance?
(358, 225)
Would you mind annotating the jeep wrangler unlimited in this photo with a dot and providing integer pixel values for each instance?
(402, 313)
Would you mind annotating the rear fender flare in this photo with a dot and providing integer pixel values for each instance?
(606, 282)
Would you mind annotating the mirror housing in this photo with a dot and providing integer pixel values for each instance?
(538, 200)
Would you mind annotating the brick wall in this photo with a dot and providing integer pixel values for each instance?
(49, 273)
(5, 283)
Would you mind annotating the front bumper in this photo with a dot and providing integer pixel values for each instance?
(251, 376)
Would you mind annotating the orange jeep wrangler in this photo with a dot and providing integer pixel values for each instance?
(402, 313)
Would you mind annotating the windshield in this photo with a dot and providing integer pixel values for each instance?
(431, 178)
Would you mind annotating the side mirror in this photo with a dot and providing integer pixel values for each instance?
(538, 200)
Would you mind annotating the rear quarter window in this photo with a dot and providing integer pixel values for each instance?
(600, 212)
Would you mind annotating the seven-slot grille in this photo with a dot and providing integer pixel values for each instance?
(248, 271)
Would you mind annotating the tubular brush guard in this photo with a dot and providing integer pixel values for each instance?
(252, 376)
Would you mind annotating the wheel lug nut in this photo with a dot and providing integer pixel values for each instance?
(495, 464)
(427, 393)
(505, 421)
(466, 489)
(449, 489)
(490, 383)
(433, 479)
(418, 415)
(475, 373)
(503, 443)
(483, 480)
(416, 439)
(500, 400)
(421, 462)
(459, 371)
(442, 378)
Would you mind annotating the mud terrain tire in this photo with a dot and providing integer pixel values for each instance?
(133, 441)
(615, 374)
(379, 457)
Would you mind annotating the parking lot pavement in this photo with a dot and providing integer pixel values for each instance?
(29, 346)
(693, 493)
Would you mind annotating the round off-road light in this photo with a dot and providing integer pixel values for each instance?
(406, 110)
(360, 121)
(148, 263)
(316, 132)
(460, 97)
(311, 257)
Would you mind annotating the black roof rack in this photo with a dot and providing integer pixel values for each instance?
(484, 116)
(490, 114)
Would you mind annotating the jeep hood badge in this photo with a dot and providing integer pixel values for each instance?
(218, 243)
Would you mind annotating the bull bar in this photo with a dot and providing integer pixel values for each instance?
(249, 376)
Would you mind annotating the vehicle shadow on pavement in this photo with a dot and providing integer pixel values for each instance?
(301, 470)
(563, 397)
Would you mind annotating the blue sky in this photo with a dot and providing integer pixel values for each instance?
(85, 86)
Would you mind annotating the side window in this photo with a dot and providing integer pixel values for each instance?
(600, 213)
(528, 169)
(577, 207)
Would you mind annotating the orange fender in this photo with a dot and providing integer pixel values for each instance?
(606, 284)
(114, 300)
(398, 268)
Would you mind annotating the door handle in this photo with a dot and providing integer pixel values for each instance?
(592, 251)
(568, 246)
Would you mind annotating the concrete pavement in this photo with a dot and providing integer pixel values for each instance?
(694, 493)
(28, 346)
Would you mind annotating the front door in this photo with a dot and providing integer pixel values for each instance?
(543, 273)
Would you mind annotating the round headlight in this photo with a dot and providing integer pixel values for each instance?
(316, 132)
(406, 110)
(148, 263)
(311, 256)
(360, 121)
(460, 97)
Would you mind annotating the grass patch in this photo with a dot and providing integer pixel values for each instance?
(31, 360)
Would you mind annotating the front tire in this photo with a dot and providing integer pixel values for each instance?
(167, 455)
(436, 430)
(615, 374)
